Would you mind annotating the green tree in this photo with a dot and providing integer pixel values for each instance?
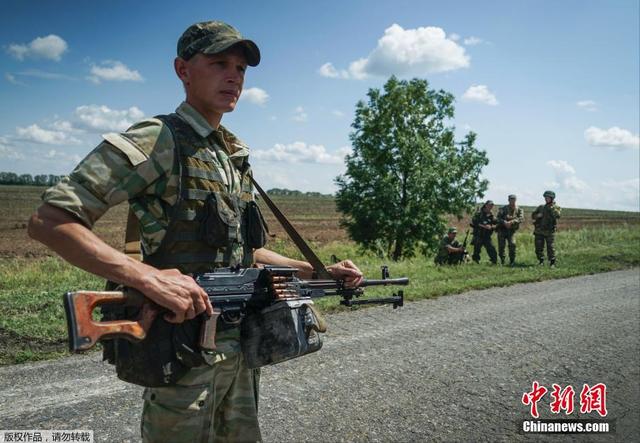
(407, 173)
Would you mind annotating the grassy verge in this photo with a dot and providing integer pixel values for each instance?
(32, 326)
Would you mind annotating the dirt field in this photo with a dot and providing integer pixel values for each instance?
(316, 219)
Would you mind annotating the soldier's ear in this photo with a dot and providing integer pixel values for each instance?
(182, 70)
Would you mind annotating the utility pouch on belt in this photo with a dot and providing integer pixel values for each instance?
(162, 358)
(256, 226)
(222, 216)
(279, 332)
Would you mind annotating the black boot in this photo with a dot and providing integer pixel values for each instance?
(552, 263)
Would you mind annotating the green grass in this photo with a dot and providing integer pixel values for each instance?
(33, 327)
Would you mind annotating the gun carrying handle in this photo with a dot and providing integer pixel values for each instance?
(208, 331)
(84, 332)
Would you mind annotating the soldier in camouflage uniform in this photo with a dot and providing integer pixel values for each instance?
(450, 251)
(483, 224)
(509, 219)
(178, 172)
(545, 219)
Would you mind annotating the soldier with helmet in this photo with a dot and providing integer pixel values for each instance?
(545, 219)
(483, 224)
(450, 251)
(509, 219)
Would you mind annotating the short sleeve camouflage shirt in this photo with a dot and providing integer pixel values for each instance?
(139, 166)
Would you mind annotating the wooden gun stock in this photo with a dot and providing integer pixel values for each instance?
(84, 332)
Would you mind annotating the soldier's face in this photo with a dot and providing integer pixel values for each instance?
(548, 200)
(512, 202)
(452, 235)
(214, 82)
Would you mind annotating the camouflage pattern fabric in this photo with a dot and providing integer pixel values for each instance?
(484, 242)
(213, 37)
(139, 166)
(482, 237)
(506, 235)
(515, 215)
(539, 242)
(444, 256)
(546, 224)
(217, 402)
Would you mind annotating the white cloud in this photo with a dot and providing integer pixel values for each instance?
(256, 96)
(12, 79)
(50, 47)
(614, 137)
(480, 94)
(44, 74)
(300, 152)
(455, 37)
(103, 119)
(7, 152)
(113, 70)
(622, 194)
(300, 115)
(565, 176)
(337, 113)
(35, 133)
(472, 41)
(410, 52)
(587, 105)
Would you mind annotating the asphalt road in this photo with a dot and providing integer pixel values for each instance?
(450, 369)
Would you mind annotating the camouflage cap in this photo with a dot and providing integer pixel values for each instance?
(452, 230)
(488, 202)
(214, 37)
(549, 194)
(512, 197)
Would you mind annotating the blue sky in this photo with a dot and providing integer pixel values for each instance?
(551, 88)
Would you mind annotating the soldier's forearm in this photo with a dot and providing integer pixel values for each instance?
(267, 257)
(77, 244)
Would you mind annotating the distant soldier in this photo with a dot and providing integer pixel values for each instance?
(545, 218)
(483, 224)
(509, 218)
(451, 252)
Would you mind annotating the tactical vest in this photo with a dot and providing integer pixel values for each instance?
(213, 223)
(206, 224)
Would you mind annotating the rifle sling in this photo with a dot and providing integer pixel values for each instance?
(304, 248)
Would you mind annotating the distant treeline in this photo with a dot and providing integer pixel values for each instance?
(289, 192)
(11, 178)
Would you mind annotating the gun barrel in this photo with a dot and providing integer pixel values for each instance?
(404, 281)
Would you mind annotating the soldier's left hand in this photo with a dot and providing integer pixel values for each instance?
(346, 270)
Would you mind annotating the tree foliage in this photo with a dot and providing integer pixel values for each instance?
(407, 173)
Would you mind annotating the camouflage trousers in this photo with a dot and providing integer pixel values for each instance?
(217, 403)
(453, 258)
(507, 237)
(540, 240)
(478, 243)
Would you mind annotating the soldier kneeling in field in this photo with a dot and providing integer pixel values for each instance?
(450, 251)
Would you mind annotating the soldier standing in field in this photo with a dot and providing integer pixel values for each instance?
(188, 183)
(545, 219)
(509, 219)
(450, 251)
(483, 224)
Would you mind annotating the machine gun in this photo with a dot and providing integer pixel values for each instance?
(233, 292)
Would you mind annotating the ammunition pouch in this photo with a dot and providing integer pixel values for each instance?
(280, 332)
(165, 355)
(222, 217)
(256, 226)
